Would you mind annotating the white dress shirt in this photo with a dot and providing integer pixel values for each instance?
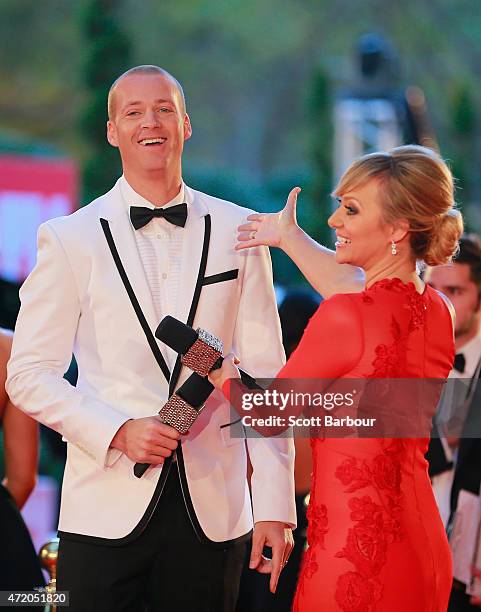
(160, 248)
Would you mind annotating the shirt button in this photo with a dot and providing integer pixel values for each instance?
(164, 275)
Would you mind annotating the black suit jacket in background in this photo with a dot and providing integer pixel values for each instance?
(467, 475)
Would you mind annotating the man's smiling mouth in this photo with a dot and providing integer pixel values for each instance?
(152, 141)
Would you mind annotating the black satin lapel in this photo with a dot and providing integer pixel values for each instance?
(135, 303)
(195, 299)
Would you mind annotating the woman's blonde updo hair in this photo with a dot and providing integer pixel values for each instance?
(416, 185)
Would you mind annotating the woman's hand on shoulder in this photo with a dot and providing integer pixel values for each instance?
(269, 229)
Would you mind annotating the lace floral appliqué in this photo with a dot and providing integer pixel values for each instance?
(386, 364)
(318, 527)
(376, 524)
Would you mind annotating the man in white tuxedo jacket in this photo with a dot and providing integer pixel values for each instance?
(175, 538)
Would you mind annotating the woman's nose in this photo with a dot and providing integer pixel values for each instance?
(335, 220)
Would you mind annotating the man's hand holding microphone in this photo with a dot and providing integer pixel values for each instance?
(146, 440)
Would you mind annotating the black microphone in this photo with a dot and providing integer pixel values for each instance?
(201, 351)
(182, 409)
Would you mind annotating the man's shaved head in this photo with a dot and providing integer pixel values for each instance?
(146, 69)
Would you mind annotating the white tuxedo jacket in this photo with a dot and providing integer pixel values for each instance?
(74, 300)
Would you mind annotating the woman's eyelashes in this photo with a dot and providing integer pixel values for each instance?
(350, 210)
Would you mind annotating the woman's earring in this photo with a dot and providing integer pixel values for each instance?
(393, 248)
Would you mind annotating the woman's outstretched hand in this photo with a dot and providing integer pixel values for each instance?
(270, 229)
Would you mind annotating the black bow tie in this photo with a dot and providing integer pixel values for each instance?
(140, 215)
(459, 362)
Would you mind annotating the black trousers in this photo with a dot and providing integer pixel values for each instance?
(459, 601)
(166, 568)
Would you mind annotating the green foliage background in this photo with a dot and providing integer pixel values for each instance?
(259, 77)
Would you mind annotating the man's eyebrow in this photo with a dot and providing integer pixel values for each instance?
(159, 100)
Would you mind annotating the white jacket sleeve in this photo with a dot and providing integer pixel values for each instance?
(258, 344)
(42, 350)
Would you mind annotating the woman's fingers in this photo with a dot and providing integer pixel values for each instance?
(227, 370)
(248, 244)
(244, 236)
(246, 233)
(232, 357)
(268, 228)
(248, 227)
(292, 201)
(246, 241)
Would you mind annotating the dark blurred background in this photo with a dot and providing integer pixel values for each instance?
(262, 80)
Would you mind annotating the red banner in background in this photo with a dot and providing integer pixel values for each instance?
(32, 190)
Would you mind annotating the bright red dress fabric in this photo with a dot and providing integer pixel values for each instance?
(376, 540)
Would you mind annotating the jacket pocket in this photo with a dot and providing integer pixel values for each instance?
(232, 433)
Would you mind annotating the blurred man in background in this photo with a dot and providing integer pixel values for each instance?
(455, 462)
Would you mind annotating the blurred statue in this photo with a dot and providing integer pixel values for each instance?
(375, 112)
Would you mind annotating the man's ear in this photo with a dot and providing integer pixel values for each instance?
(112, 134)
(400, 229)
(187, 127)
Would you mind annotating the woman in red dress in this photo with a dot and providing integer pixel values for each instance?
(376, 541)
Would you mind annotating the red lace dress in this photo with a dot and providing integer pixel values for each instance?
(376, 541)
